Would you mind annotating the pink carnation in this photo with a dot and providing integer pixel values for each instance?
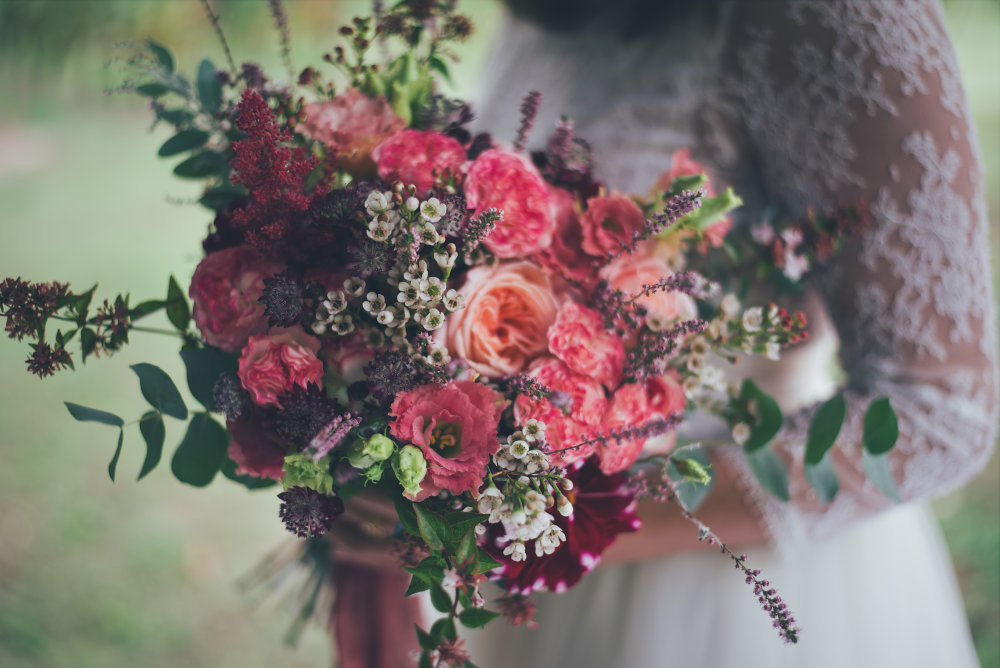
(610, 221)
(271, 364)
(352, 125)
(579, 339)
(225, 289)
(417, 157)
(253, 448)
(629, 273)
(634, 405)
(681, 164)
(585, 415)
(505, 181)
(455, 426)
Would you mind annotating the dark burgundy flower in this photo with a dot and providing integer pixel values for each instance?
(307, 513)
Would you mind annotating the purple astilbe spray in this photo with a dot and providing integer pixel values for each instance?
(529, 110)
(332, 435)
(650, 356)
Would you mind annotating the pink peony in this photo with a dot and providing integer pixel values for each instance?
(271, 364)
(681, 164)
(505, 181)
(630, 273)
(608, 222)
(254, 449)
(455, 426)
(508, 311)
(565, 254)
(579, 339)
(586, 411)
(352, 125)
(417, 157)
(634, 405)
(225, 289)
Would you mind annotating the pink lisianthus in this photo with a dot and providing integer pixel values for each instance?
(585, 415)
(579, 339)
(417, 157)
(352, 125)
(506, 181)
(634, 405)
(508, 311)
(224, 290)
(681, 164)
(271, 364)
(629, 273)
(455, 426)
(565, 254)
(610, 221)
(254, 449)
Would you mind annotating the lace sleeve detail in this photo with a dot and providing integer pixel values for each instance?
(844, 100)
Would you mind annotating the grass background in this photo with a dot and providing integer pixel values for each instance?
(94, 574)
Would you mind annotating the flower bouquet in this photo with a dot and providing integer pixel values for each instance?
(487, 338)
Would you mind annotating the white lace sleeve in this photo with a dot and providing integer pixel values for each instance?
(844, 100)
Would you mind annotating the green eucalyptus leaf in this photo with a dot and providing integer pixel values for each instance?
(770, 472)
(153, 432)
(201, 165)
(85, 414)
(88, 342)
(145, 308)
(406, 514)
(477, 618)
(113, 464)
(202, 452)
(881, 427)
(824, 429)
(175, 117)
(160, 391)
(178, 312)
(823, 479)
(417, 585)
(220, 197)
(433, 529)
(484, 562)
(768, 418)
(151, 89)
(440, 599)
(162, 56)
(249, 481)
(185, 140)
(209, 87)
(879, 471)
(204, 366)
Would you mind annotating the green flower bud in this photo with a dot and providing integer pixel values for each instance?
(693, 471)
(302, 471)
(410, 468)
(363, 454)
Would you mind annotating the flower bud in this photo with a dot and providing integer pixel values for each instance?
(363, 454)
(410, 468)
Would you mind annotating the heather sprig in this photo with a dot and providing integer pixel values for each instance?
(529, 110)
(655, 427)
(652, 354)
(478, 229)
(674, 209)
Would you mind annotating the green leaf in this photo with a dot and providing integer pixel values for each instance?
(440, 599)
(768, 418)
(433, 529)
(824, 428)
(145, 308)
(160, 391)
(459, 524)
(178, 312)
(209, 88)
(175, 117)
(204, 366)
(484, 562)
(425, 639)
(823, 479)
(477, 618)
(113, 464)
(203, 164)
(879, 472)
(185, 140)
(417, 585)
(251, 482)
(153, 432)
(84, 414)
(406, 514)
(444, 627)
(881, 427)
(202, 452)
(162, 55)
(88, 342)
(466, 548)
(441, 68)
(221, 196)
(151, 89)
(770, 472)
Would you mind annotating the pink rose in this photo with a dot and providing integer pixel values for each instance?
(352, 125)
(505, 181)
(254, 449)
(508, 311)
(629, 407)
(455, 426)
(665, 395)
(610, 221)
(225, 289)
(585, 415)
(565, 254)
(629, 273)
(417, 157)
(271, 364)
(681, 164)
(579, 339)
(347, 357)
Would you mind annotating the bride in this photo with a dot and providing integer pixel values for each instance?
(796, 104)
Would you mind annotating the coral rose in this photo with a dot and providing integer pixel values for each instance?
(609, 222)
(224, 289)
(271, 364)
(633, 405)
(565, 255)
(352, 125)
(586, 411)
(508, 311)
(505, 181)
(254, 449)
(455, 426)
(579, 339)
(629, 273)
(417, 157)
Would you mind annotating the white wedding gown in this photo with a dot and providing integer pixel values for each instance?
(797, 104)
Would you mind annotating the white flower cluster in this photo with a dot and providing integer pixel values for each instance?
(705, 377)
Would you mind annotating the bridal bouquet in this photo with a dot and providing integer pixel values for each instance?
(490, 339)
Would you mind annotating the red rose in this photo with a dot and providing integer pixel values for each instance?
(609, 222)
(417, 157)
(271, 364)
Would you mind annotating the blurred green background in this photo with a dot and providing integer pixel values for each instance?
(95, 574)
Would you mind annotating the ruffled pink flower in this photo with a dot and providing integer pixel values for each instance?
(271, 364)
(629, 273)
(508, 311)
(417, 157)
(565, 254)
(455, 426)
(610, 221)
(224, 290)
(579, 339)
(347, 357)
(352, 125)
(506, 181)
(586, 411)
(634, 405)
(681, 164)
(254, 449)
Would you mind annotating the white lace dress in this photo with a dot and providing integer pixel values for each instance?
(795, 104)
